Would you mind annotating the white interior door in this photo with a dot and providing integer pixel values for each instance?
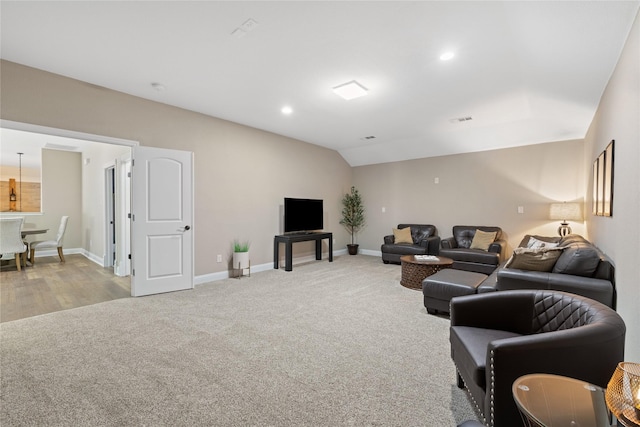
(162, 221)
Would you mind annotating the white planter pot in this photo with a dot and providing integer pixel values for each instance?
(240, 260)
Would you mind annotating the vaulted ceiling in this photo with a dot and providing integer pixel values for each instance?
(523, 72)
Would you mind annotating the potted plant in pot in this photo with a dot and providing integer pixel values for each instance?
(240, 255)
(352, 216)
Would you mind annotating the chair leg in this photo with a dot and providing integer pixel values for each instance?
(60, 254)
(18, 261)
(32, 256)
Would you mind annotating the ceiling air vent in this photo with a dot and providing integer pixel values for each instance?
(368, 137)
(461, 119)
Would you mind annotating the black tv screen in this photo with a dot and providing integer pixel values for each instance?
(302, 215)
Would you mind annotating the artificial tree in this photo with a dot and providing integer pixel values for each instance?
(352, 216)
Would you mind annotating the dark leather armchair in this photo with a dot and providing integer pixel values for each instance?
(458, 249)
(425, 242)
(499, 336)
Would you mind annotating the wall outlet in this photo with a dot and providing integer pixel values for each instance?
(219, 259)
(436, 180)
(520, 209)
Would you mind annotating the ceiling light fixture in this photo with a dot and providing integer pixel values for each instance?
(446, 56)
(350, 90)
(287, 110)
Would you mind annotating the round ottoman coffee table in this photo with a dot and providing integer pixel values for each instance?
(415, 270)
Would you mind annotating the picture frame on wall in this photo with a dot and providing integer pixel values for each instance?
(603, 168)
(601, 161)
(608, 179)
(595, 188)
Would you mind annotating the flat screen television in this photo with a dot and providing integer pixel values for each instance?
(302, 215)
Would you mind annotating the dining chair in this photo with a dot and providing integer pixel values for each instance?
(11, 240)
(50, 244)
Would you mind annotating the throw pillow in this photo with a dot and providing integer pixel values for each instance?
(482, 240)
(537, 244)
(578, 259)
(542, 259)
(402, 235)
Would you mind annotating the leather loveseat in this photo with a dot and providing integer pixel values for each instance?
(581, 269)
(425, 241)
(498, 337)
(459, 249)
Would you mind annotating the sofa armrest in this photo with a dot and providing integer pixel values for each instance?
(449, 243)
(505, 311)
(389, 240)
(432, 244)
(498, 246)
(596, 289)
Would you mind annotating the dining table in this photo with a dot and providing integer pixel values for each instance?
(26, 231)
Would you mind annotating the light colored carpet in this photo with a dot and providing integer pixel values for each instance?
(328, 344)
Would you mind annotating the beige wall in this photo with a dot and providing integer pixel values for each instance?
(61, 189)
(241, 174)
(483, 188)
(618, 118)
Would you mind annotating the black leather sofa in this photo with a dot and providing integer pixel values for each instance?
(582, 269)
(425, 242)
(498, 337)
(457, 247)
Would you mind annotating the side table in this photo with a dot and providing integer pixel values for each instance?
(546, 400)
(414, 271)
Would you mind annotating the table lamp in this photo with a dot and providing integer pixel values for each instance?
(565, 211)
(623, 394)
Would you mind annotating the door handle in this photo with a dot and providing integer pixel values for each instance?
(187, 228)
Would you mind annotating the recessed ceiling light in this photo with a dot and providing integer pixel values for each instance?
(350, 90)
(447, 56)
(287, 110)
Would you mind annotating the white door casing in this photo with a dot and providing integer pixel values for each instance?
(162, 221)
(122, 265)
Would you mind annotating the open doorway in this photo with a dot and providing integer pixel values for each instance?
(89, 235)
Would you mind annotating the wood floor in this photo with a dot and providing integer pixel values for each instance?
(50, 286)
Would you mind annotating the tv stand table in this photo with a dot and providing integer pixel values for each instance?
(290, 239)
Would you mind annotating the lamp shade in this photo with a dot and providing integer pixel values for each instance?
(565, 211)
(623, 394)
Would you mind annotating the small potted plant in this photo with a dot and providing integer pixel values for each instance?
(352, 217)
(240, 254)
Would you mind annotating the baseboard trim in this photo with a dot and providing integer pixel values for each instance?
(54, 252)
(211, 277)
(221, 275)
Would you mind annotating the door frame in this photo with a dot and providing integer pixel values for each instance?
(110, 239)
(122, 262)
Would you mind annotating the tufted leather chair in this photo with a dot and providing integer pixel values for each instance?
(457, 247)
(425, 242)
(499, 336)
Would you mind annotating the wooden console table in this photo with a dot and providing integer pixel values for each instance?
(290, 239)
